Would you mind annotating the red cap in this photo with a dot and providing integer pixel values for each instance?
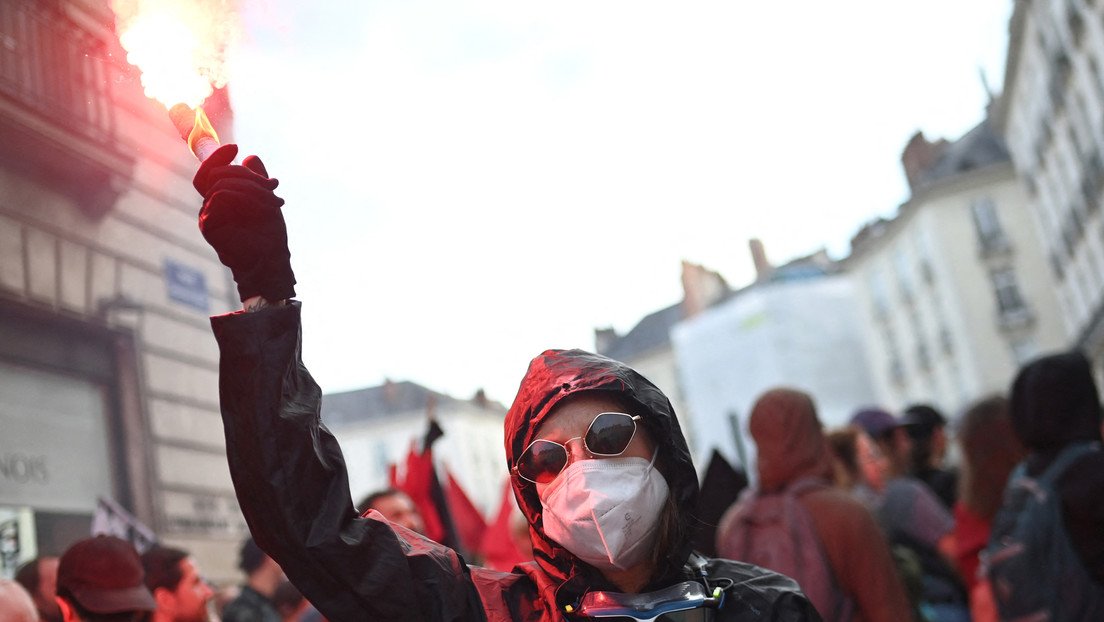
(104, 575)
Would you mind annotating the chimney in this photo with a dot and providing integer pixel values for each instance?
(701, 288)
(919, 156)
(390, 393)
(763, 268)
(604, 338)
(480, 398)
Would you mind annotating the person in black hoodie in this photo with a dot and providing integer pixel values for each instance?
(598, 465)
(1055, 404)
(1055, 412)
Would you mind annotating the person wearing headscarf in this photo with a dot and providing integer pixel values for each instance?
(793, 453)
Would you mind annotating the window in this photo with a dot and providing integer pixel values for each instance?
(56, 70)
(946, 341)
(990, 234)
(923, 255)
(878, 295)
(1007, 292)
(904, 277)
(52, 65)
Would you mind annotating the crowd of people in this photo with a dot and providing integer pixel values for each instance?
(864, 523)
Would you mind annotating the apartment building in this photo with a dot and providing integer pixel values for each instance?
(954, 291)
(1052, 118)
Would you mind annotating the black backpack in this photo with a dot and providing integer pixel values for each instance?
(1032, 566)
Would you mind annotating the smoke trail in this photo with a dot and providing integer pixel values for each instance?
(180, 46)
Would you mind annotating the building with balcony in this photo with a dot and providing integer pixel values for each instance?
(1052, 118)
(108, 368)
(954, 291)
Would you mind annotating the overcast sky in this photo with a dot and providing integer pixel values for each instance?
(472, 182)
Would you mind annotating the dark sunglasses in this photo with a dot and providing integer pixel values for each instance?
(608, 435)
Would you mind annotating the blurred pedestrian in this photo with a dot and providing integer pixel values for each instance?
(990, 450)
(797, 523)
(927, 429)
(396, 506)
(915, 519)
(847, 445)
(182, 595)
(1045, 556)
(39, 578)
(100, 579)
(254, 600)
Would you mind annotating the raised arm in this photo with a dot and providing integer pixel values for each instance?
(287, 469)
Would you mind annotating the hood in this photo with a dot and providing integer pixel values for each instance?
(790, 442)
(1055, 402)
(558, 374)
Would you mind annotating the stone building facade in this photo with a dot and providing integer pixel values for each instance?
(1052, 117)
(108, 369)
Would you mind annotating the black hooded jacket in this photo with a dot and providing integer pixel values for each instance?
(293, 489)
(1055, 404)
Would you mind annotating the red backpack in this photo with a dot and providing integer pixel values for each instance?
(775, 531)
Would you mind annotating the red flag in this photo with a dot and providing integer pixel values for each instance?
(417, 484)
(466, 518)
(499, 547)
(424, 489)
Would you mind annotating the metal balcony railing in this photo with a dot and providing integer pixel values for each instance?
(51, 66)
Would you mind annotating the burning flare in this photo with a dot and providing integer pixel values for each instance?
(180, 46)
(195, 129)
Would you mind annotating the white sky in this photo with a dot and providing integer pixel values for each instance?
(472, 182)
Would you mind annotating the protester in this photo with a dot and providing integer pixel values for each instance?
(915, 519)
(16, 604)
(828, 540)
(599, 467)
(396, 506)
(927, 429)
(990, 450)
(174, 580)
(254, 600)
(1046, 546)
(847, 445)
(39, 578)
(100, 579)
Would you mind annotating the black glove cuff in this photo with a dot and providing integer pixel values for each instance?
(273, 281)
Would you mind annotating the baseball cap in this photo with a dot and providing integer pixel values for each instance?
(875, 421)
(104, 575)
(923, 418)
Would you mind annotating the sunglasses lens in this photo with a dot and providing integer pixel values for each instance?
(542, 461)
(610, 434)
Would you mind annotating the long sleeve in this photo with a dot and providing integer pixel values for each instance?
(293, 488)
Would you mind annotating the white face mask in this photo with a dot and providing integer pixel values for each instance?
(606, 511)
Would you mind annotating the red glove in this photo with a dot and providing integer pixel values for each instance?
(242, 221)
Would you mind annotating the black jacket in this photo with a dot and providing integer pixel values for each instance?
(1055, 404)
(293, 489)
